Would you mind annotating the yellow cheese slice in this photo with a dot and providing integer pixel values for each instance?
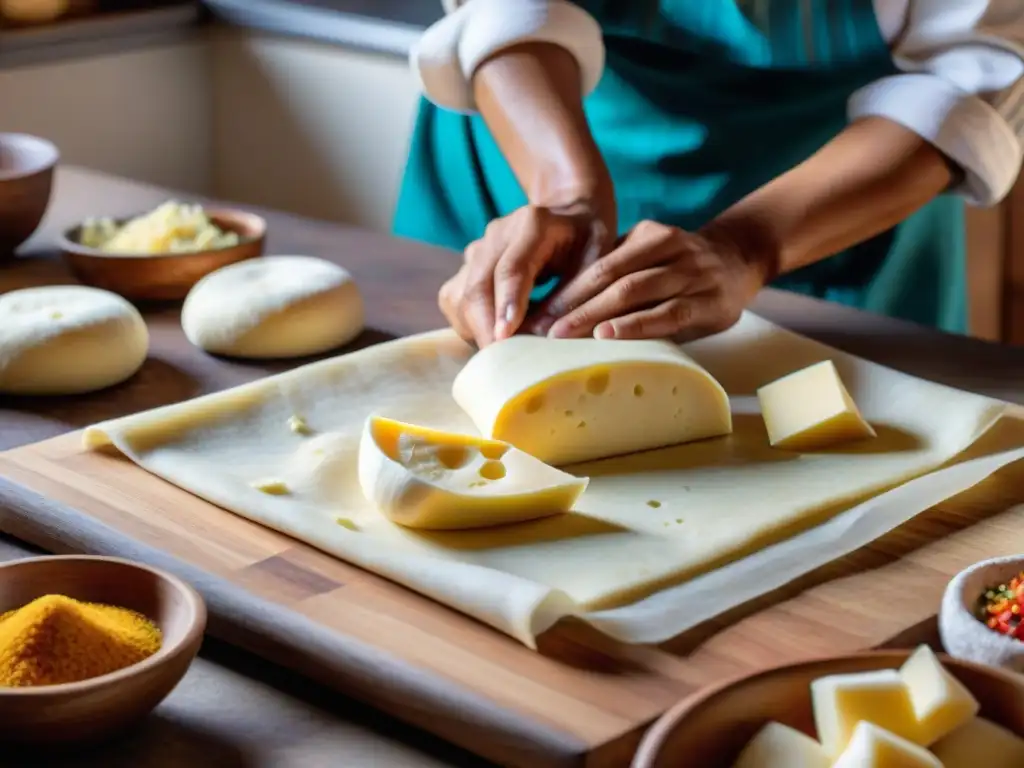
(810, 410)
(941, 702)
(425, 478)
(980, 744)
(779, 746)
(571, 400)
(874, 747)
(842, 701)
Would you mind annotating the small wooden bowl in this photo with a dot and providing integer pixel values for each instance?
(93, 709)
(712, 727)
(164, 277)
(26, 183)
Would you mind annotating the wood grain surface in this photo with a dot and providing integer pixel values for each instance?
(584, 700)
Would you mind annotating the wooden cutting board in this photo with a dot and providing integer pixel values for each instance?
(584, 700)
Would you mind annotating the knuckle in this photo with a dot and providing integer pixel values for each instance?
(646, 227)
(654, 231)
(475, 292)
(680, 313)
(626, 289)
(605, 271)
(508, 272)
(493, 228)
(471, 252)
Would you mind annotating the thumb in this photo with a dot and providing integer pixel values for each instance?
(533, 247)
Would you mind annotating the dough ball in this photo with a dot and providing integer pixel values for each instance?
(272, 307)
(68, 339)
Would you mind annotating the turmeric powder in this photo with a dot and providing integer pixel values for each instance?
(56, 639)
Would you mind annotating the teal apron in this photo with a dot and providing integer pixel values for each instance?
(701, 102)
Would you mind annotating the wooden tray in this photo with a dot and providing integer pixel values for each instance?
(584, 700)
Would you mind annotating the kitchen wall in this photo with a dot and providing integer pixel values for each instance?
(314, 128)
(145, 113)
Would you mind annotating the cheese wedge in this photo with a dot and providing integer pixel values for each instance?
(874, 747)
(810, 410)
(425, 478)
(980, 744)
(941, 702)
(840, 702)
(779, 746)
(570, 400)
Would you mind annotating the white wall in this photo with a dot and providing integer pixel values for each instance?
(316, 129)
(312, 128)
(144, 114)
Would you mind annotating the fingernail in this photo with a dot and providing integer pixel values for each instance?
(510, 313)
(604, 331)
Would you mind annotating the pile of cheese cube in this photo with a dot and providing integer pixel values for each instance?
(918, 716)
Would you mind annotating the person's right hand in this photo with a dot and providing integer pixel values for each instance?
(488, 298)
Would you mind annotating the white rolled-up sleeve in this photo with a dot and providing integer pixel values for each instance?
(447, 55)
(960, 87)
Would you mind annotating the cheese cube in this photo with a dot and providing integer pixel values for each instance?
(941, 702)
(980, 744)
(566, 401)
(874, 747)
(842, 701)
(810, 410)
(779, 746)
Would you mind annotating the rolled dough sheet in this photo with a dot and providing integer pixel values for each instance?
(648, 525)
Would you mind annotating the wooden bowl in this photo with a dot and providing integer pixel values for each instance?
(163, 277)
(26, 182)
(712, 727)
(94, 709)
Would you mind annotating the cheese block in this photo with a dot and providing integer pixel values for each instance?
(571, 400)
(810, 410)
(842, 701)
(874, 747)
(980, 744)
(941, 702)
(425, 478)
(779, 746)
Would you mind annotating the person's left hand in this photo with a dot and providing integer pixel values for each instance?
(660, 282)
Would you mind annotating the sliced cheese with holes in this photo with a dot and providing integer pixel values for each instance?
(941, 702)
(779, 746)
(811, 410)
(571, 400)
(425, 478)
(874, 747)
(980, 744)
(842, 701)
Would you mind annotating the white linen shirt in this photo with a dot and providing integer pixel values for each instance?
(960, 87)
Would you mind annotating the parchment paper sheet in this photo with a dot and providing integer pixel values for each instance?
(662, 540)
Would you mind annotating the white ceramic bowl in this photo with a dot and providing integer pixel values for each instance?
(963, 635)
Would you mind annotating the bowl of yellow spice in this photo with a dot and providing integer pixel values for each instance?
(89, 645)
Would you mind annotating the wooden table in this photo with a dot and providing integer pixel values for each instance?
(233, 710)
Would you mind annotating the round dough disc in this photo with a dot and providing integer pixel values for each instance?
(68, 339)
(273, 307)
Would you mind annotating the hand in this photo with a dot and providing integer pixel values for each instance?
(660, 282)
(487, 300)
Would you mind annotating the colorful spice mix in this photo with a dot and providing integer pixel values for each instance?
(999, 608)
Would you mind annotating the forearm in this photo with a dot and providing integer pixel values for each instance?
(529, 96)
(868, 179)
